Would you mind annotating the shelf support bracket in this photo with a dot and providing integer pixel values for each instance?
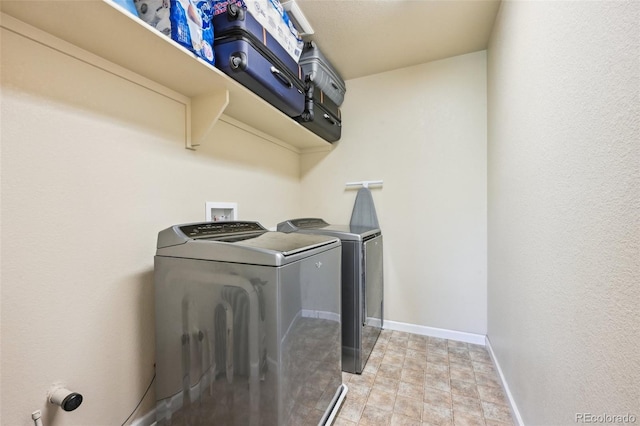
(202, 114)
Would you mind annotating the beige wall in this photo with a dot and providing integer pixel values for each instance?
(93, 166)
(564, 203)
(422, 130)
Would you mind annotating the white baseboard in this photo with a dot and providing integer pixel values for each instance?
(512, 403)
(461, 336)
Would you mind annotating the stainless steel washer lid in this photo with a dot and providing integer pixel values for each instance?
(239, 242)
(312, 225)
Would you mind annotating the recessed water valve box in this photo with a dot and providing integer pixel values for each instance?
(216, 211)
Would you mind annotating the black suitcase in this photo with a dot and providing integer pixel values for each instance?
(246, 52)
(321, 115)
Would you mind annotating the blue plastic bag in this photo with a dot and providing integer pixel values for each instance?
(188, 22)
(128, 6)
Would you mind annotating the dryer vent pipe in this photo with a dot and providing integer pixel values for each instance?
(66, 399)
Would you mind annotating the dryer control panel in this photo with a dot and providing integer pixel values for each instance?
(302, 223)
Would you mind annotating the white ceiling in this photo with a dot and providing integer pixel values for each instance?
(364, 37)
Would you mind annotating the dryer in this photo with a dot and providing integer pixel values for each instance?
(362, 285)
(247, 326)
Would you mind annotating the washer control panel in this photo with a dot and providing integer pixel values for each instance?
(218, 229)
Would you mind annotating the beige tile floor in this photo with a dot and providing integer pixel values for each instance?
(418, 380)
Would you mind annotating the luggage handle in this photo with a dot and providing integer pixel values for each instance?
(307, 114)
(280, 76)
(329, 119)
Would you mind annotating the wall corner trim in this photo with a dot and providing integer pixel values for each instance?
(515, 413)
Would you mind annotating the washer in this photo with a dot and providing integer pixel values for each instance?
(362, 285)
(247, 326)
